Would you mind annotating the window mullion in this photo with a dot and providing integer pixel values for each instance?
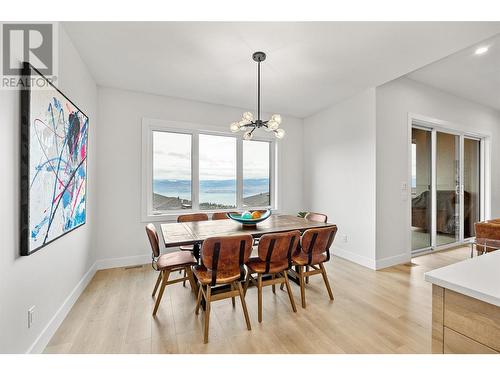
(239, 173)
(195, 172)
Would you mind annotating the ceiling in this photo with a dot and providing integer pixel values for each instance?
(465, 74)
(309, 66)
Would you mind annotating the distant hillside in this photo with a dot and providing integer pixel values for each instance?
(163, 203)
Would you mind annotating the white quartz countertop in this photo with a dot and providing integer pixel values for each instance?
(478, 277)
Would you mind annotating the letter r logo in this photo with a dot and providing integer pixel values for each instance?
(27, 42)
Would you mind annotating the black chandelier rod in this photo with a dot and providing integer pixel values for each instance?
(258, 92)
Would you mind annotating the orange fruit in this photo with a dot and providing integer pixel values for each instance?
(256, 215)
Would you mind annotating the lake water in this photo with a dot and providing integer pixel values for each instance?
(211, 191)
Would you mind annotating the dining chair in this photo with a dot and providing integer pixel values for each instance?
(186, 218)
(487, 236)
(314, 250)
(223, 260)
(165, 264)
(222, 215)
(320, 218)
(274, 259)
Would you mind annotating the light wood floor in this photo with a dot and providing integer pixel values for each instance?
(387, 311)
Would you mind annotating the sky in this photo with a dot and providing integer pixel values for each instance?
(172, 157)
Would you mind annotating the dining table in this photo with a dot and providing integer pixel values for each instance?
(195, 232)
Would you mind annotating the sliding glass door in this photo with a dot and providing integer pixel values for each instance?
(421, 188)
(445, 187)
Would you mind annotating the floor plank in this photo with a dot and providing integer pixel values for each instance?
(386, 311)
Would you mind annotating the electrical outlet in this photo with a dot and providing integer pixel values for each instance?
(31, 314)
(344, 238)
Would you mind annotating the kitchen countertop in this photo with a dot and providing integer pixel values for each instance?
(478, 277)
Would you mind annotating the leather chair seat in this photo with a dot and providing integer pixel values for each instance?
(224, 276)
(301, 259)
(259, 266)
(176, 259)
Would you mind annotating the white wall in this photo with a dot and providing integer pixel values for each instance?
(120, 232)
(47, 277)
(395, 100)
(339, 173)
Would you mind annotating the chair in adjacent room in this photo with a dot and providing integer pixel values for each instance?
(274, 259)
(314, 251)
(223, 260)
(165, 264)
(487, 236)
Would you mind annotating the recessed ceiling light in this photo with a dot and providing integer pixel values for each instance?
(481, 50)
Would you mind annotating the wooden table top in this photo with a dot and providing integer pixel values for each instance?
(189, 233)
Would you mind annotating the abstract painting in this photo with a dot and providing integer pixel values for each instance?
(54, 136)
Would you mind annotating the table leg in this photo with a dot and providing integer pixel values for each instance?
(472, 249)
(196, 251)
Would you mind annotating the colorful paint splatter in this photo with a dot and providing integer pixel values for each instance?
(58, 167)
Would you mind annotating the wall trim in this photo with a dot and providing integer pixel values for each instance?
(50, 329)
(353, 257)
(392, 261)
(103, 264)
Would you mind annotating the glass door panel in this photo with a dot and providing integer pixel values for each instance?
(471, 185)
(447, 188)
(421, 189)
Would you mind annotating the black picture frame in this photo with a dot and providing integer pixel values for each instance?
(28, 73)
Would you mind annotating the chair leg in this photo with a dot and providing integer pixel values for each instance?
(273, 286)
(247, 283)
(307, 277)
(259, 292)
(289, 290)
(198, 300)
(302, 286)
(325, 279)
(157, 283)
(160, 293)
(191, 279)
(233, 301)
(243, 305)
(207, 313)
(185, 274)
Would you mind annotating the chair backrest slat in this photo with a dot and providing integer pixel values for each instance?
(221, 215)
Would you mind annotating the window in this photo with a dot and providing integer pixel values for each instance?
(256, 181)
(171, 171)
(185, 169)
(217, 172)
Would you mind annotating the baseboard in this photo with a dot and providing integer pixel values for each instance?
(353, 257)
(43, 339)
(135, 260)
(392, 261)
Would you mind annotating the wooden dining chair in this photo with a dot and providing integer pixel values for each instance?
(165, 264)
(223, 260)
(320, 218)
(314, 250)
(221, 215)
(186, 218)
(274, 259)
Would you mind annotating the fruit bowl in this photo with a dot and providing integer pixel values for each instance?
(248, 221)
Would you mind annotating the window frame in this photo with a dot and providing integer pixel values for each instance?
(151, 125)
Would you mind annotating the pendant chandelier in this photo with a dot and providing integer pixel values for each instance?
(248, 123)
